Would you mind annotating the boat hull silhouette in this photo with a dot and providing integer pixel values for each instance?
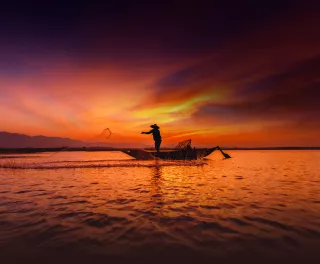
(180, 154)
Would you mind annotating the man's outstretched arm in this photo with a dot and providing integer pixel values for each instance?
(147, 132)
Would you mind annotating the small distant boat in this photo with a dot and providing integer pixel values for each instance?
(182, 152)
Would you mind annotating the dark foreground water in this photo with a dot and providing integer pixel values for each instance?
(73, 206)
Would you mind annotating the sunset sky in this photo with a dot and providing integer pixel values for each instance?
(235, 74)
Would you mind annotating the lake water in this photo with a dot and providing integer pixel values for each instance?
(79, 204)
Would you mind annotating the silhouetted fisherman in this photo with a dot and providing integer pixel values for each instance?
(156, 136)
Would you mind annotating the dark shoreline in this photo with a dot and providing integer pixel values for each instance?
(39, 150)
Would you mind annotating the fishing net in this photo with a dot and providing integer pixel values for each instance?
(183, 144)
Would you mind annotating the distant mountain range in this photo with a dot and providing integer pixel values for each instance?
(14, 140)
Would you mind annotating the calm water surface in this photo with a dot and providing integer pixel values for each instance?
(104, 203)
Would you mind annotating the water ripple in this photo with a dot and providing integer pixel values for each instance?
(271, 223)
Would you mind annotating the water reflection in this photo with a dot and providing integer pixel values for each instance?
(254, 202)
(156, 194)
(156, 174)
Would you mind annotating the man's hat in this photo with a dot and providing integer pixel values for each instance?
(154, 126)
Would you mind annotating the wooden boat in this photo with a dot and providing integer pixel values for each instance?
(178, 153)
(141, 154)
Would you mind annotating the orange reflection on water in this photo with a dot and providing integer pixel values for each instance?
(258, 201)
